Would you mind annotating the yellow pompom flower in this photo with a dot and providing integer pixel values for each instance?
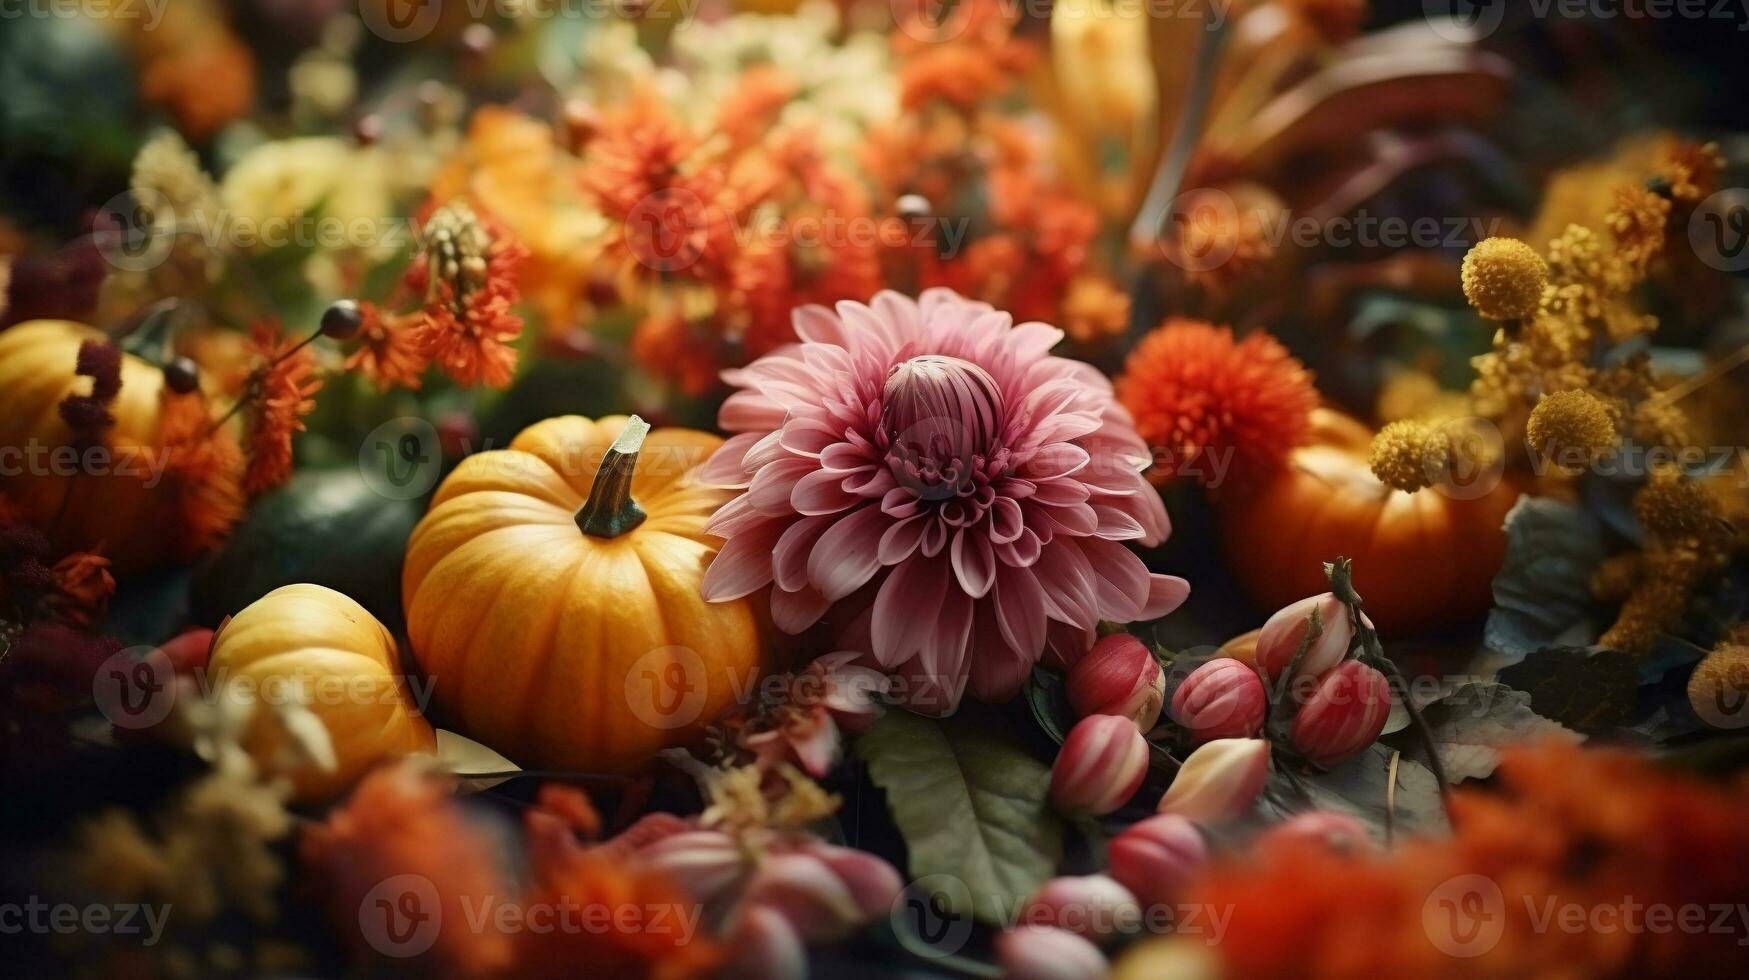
(1671, 505)
(1571, 428)
(1504, 278)
(1407, 455)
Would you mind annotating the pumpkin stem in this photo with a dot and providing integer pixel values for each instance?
(610, 510)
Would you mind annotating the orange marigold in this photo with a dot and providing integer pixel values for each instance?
(401, 827)
(649, 933)
(1210, 405)
(205, 464)
(388, 350)
(1601, 837)
(280, 394)
(670, 198)
(467, 274)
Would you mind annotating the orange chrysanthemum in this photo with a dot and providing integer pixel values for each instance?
(1603, 832)
(205, 464)
(747, 114)
(670, 198)
(962, 55)
(649, 937)
(399, 826)
(280, 395)
(388, 350)
(667, 346)
(1210, 405)
(467, 274)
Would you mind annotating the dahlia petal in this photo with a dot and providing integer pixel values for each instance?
(934, 537)
(942, 663)
(1032, 340)
(817, 324)
(996, 669)
(821, 492)
(749, 411)
(973, 562)
(794, 612)
(899, 502)
(769, 493)
(1066, 643)
(734, 518)
(789, 558)
(1006, 520)
(846, 457)
(901, 539)
(725, 467)
(1119, 578)
(1022, 552)
(1068, 580)
(905, 610)
(743, 566)
(847, 555)
(1165, 593)
(901, 311)
(1055, 461)
(1115, 525)
(1019, 604)
(806, 437)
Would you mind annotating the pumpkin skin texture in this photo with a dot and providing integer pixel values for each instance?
(131, 515)
(311, 635)
(1422, 561)
(564, 649)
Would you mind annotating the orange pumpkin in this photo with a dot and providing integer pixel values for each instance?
(120, 500)
(1421, 560)
(320, 647)
(554, 603)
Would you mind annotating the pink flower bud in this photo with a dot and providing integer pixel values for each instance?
(1344, 714)
(764, 946)
(1093, 907)
(1044, 953)
(1118, 677)
(1219, 781)
(1281, 636)
(707, 864)
(824, 891)
(1320, 830)
(1155, 858)
(1221, 699)
(1101, 765)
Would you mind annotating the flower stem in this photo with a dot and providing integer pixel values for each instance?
(610, 510)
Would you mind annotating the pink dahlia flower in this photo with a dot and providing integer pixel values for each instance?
(954, 496)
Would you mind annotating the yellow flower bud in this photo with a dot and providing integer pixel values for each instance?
(1570, 427)
(1409, 455)
(1504, 278)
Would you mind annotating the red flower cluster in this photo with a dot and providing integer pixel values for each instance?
(279, 395)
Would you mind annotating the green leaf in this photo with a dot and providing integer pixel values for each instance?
(1360, 787)
(970, 805)
(1472, 724)
(1544, 585)
(1047, 695)
(1585, 690)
